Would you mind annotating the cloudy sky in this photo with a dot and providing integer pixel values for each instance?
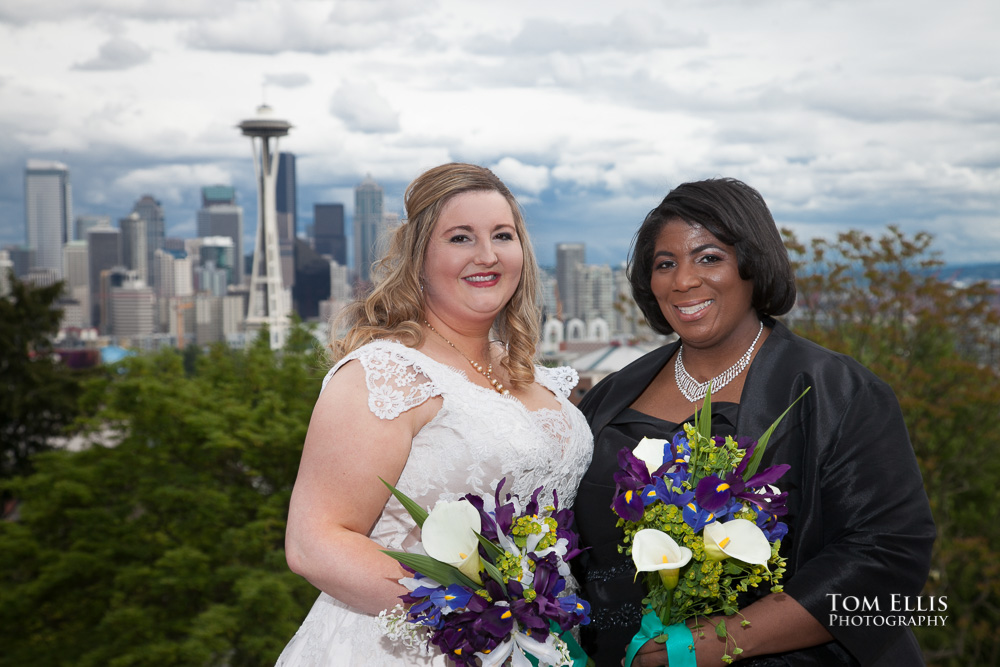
(843, 113)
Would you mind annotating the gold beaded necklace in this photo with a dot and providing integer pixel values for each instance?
(487, 373)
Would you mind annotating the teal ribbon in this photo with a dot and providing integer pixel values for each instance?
(680, 643)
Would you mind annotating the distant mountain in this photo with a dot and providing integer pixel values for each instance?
(971, 272)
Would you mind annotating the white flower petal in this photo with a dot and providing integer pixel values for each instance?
(498, 655)
(449, 535)
(650, 452)
(546, 652)
(654, 550)
(739, 539)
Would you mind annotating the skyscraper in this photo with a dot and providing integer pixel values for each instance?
(285, 202)
(368, 202)
(76, 273)
(104, 253)
(220, 216)
(48, 212)
(328, 231)
(569, 257)
(150, 210)
(85, 223)
(270, 298)
(134, 238)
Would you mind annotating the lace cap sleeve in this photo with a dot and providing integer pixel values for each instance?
(559, 380)
(394, 377)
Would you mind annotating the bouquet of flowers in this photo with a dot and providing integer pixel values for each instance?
(492, 585)
(702, 523)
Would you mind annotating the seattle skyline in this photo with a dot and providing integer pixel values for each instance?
(845, 115)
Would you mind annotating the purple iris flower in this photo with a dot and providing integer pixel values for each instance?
(713, 492)
(458, 639)
(669, 494)
(698, 517)
(630, 481)
(773, 529)
(575, 606)
(497, 621)
(455, 596)
(680, 452)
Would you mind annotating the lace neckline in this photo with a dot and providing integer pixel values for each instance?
(487, 392)
(490, 392)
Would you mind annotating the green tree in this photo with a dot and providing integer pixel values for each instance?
(883, 302)
(162, 543)
(38, 395)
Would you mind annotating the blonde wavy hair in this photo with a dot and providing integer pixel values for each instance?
(394, 309)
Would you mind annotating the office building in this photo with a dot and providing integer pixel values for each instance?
(368, 224)
(6, 269)
(134, 239)
(312, 280)
(173, 275)
(107, 281)
(48, 212)
(328, 232)
(21, 257)
(104, 253)
(284, 204)
(569, 257)
(226, 220)
(150, 210)
(76, 273)
(132, 307)
(85, 223)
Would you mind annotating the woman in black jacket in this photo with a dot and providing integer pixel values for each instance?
(708, 264)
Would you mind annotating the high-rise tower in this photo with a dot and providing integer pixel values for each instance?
(569, 258)
(328, 231)
(368, 201)
(285, 203)
(150, 210)
(221, 216)
(270, 300)
(48, 209)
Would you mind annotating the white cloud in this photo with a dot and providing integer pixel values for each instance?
(117, 53)
(22, 12)
(362, 108)
(288, 79)
(631, 32)
(532, 179)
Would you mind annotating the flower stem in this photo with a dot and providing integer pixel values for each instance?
(665, 612)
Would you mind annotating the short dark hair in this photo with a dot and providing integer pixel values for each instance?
(735, 214)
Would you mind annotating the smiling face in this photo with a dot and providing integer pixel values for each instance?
(696, 282)
(473, 261)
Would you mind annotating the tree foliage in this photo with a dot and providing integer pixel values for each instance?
(883, 301)
(162, 543)
(38, 395)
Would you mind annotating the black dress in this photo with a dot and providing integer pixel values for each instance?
(859, 521)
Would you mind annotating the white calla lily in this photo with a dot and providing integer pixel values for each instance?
(519, 644)
(449, 535)
(655, 551)
(650, 452)
(739, 539)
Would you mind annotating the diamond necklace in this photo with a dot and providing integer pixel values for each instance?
(487, 373)
(695, 391)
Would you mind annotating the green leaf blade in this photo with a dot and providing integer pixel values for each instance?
(418, 513)
(443, 573)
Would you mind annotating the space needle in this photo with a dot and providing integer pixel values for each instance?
(270, 300)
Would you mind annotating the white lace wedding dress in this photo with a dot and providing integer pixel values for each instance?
(477, 438)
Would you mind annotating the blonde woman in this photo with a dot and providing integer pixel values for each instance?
(422, 396)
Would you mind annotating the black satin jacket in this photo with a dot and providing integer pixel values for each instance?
(859, 521)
